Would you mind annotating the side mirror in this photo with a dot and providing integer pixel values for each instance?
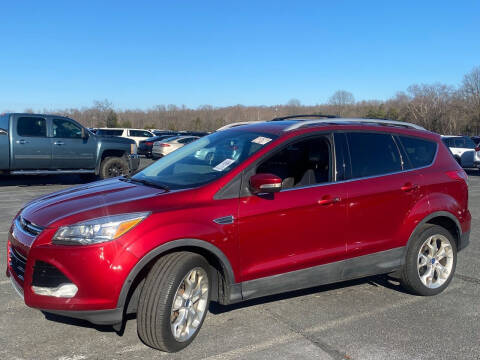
(265, 183)
(84, 133)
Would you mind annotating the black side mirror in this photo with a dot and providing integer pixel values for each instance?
(84, 133)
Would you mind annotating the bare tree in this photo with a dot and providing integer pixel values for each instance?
(470, 92)
(340, 100)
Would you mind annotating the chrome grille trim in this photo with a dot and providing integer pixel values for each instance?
(27, 226)
(17, 263)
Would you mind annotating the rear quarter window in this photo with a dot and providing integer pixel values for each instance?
(419, 151)
(373, 154)
(32, 126)
(4, 122)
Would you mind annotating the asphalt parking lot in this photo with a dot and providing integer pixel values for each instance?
(365, 319)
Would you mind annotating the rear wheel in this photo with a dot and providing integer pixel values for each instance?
(174, 301)
(430, 262)
(113, 166)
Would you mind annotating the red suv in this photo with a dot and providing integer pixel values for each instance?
(280, 205)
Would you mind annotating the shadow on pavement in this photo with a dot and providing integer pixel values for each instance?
(379, 280)
(473, 172)
(42, 180)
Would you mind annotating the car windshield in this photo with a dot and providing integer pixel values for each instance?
(205, 159)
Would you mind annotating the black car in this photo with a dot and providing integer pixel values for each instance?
(145, 146)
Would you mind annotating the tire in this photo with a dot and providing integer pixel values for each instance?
(436, 272)
(167, 281)
(113, 166)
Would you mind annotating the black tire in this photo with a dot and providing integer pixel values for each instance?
(156, 300)
(113, 166)
(410, 277)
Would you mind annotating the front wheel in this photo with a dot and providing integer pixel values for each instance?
(174, 301)
(430, 262)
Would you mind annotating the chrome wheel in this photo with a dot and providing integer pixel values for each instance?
(189, 304)
(435, 261)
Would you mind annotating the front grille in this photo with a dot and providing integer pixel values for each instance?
(28, 227)
(47, 275)
(17, 263)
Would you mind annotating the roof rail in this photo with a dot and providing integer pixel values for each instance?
(343, 121)
(235, 124)
(320, 116)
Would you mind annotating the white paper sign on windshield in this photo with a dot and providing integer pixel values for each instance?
(224, 164)
(262, 140)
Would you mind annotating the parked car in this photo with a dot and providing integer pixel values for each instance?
(305, 203)
(464, 150)
(49, 144)
(193, 133)
(145, 146)
(135, 134)
(168, 145)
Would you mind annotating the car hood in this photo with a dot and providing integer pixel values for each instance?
(88, 201)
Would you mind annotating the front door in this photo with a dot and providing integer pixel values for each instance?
(302, 225)
(32, 149)
(69, 149)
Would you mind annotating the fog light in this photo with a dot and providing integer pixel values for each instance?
(62, 291)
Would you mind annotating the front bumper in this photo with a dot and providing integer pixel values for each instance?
(98, 271)
(133, 162)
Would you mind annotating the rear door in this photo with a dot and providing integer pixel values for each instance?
(69, 149)
(380, 193)
(32, 148)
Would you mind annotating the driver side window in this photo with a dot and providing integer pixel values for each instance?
(66, 129)
(303, 163)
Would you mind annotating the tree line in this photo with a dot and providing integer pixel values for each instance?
(442, 108)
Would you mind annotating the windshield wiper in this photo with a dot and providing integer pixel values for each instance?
(147, 183)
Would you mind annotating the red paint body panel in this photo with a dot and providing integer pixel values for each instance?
(273, 234)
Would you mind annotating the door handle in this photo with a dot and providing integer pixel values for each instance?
(58, 143)
(328, 201)
(409, 187)
(22, 141)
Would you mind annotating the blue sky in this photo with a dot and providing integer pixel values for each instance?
(138, 54)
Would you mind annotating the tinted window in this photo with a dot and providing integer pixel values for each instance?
(66, 129)
(464, 142)
(419, 151)
(186, 140)
(32, 127)
(140, 133)
(448, 142)
(109, 132)
(373, 154)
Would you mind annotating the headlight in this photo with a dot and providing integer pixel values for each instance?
(97, 230)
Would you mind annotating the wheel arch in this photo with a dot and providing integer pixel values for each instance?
(444, 219)
(223, 278)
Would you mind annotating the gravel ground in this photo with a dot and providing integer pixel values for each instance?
(364, 319)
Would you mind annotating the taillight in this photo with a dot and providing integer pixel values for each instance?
(458, 175)
(477, 148)
(148, 143)
(164, 145)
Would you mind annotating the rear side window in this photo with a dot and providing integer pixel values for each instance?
(419, 151)
(32, 127)
(108, 132)
(140, 133)
(464, 142)
(4, 123)
(373, 154)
